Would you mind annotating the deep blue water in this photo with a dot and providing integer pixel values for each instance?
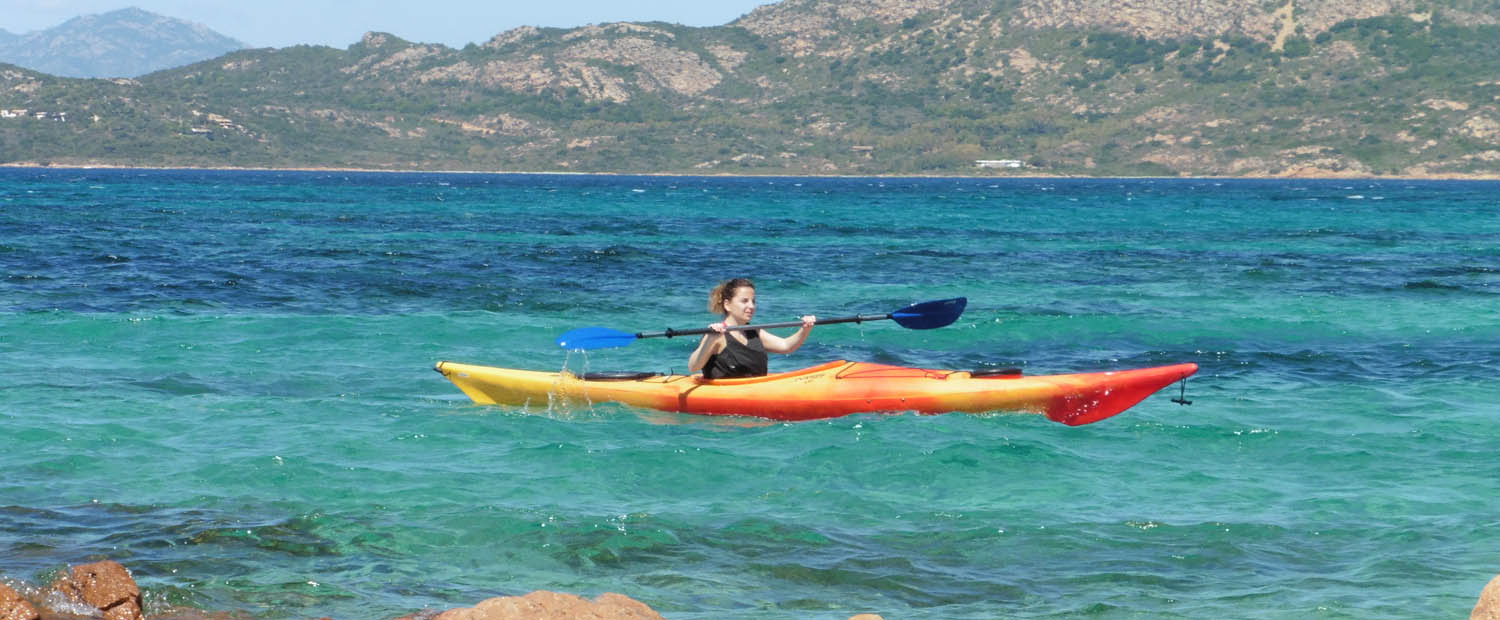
(222, 380)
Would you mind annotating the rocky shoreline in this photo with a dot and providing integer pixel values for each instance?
(1292, 173)
(105, 590)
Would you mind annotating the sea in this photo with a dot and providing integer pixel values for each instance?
(223, 380)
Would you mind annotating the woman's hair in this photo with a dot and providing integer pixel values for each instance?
(724, 291)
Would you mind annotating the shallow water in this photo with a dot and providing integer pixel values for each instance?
(222, 380)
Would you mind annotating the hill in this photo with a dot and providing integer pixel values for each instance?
(1089, 87)
(123, 43)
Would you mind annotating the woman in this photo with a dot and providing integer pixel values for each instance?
(724, 354)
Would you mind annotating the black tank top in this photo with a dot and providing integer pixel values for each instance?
(738, 360)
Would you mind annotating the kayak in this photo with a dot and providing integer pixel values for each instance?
(828, 390)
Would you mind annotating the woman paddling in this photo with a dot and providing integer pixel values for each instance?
(724, 354)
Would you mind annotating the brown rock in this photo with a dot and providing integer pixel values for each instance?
(866, 617)
(544, 605)
(106, 586)
(1489, 602)
(14, 607)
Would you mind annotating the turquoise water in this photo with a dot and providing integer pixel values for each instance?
(222, 380)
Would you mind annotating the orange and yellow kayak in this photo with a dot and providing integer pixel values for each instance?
(830, 390)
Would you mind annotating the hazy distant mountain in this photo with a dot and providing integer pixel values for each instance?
(123, 43)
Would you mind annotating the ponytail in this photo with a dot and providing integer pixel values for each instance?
(725, 291)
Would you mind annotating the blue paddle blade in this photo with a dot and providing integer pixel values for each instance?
(590, 338)
(931, 314)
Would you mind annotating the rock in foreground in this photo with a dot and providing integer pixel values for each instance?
(105, 586)
(14, 607)
(108, 588)
(1488, 607)
(544, 605)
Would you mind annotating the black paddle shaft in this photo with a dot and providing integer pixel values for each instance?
(740, 328)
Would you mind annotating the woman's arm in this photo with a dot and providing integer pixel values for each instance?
(777, 344)
(711, 344)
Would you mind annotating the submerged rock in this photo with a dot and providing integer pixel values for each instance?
(105, 586)
(544, 605)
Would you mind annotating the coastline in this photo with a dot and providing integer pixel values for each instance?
(107, 589)
(1298, 174)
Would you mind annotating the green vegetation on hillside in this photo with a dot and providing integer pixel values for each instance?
(930, 94)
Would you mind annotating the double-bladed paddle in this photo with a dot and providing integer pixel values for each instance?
(925, 315)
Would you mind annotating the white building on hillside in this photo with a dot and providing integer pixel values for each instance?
(999, 163)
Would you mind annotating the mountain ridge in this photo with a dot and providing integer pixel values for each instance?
(126, 42)
(854, 87)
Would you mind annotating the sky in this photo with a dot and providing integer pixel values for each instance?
(340, 23)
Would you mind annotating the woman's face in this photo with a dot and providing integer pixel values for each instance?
(741, 305)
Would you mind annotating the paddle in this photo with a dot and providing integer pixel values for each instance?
(925, 315)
